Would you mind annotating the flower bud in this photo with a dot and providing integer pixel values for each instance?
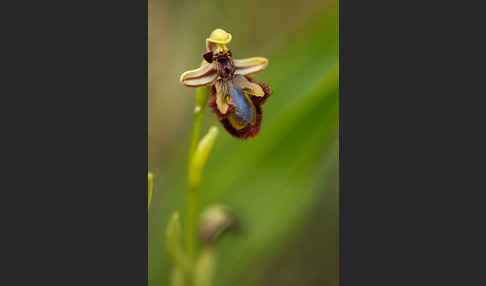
(201, 155)
(214, 221)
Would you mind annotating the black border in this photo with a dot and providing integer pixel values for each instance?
(407, 212)
(76, 144)
(79, 143)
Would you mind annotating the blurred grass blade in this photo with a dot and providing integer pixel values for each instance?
(150, 186)
(177, 277)
(173, 242)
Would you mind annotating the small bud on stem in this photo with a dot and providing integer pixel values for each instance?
(215, 221)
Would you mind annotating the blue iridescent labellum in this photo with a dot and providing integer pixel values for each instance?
(244, 108)
(244, 115)
(235, 98)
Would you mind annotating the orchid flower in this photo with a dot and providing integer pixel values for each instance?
(235, 97)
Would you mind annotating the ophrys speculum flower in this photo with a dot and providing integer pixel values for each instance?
(234, 96)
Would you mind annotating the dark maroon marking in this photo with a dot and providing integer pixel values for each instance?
(208, 57)
(224, 65)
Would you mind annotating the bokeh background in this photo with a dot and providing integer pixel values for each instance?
(283, 184)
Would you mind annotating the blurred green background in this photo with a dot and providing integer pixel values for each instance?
(283, 184)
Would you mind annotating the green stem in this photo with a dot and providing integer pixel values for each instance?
(202, 95)
(192, 210)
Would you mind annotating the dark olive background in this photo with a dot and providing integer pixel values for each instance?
(283, 184)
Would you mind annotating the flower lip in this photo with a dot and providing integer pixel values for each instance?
(227, 111)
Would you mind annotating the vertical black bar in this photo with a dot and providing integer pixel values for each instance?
(81, 157)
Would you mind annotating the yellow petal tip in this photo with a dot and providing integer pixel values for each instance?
(219, 36)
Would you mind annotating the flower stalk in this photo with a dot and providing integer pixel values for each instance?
(193, 195)
(185, 259)
(202, 95)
